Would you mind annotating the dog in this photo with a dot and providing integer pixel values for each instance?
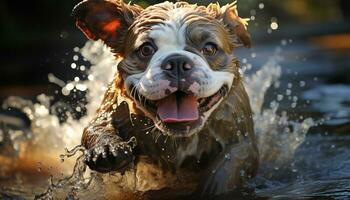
(178, 100)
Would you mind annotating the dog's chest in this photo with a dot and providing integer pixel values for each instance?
(174, 151)
(191, 152)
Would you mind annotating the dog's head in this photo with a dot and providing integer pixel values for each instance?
(177, 59)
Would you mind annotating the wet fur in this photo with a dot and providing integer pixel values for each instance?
(219, 158)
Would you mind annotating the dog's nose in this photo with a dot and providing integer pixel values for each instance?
(177, 65)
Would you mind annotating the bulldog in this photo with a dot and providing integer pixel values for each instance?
(178, 100)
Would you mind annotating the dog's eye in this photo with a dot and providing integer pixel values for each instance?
(209, 49)
(147, 50)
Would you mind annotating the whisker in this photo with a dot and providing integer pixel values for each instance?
(147, 128)
(157, 137)
(133, 92)
(154, 129)
(166, 139)
(175, 143)
(144, 101)
(139, 98)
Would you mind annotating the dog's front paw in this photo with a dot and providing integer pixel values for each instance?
(110, 153)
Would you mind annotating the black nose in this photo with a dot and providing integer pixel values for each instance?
(177, 65)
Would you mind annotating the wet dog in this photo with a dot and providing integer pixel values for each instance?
(178, 100)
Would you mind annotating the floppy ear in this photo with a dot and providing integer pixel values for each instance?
(108, 20)
(228, 14)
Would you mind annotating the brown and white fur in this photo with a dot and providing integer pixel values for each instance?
(181, 51)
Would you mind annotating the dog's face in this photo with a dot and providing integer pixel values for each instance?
(177, 59)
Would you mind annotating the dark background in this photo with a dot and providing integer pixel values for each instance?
(38, 37)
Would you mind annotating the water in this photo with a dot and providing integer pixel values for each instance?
(288, 98)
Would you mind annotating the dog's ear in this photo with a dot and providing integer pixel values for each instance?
(108, 20)
(228, 14)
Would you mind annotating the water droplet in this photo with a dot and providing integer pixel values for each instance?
(78, 109)
(276, 84)
(279, 97)
(252, 12)
(65, 92)
(62, 158)
(227, 156)
(274, 25)
(288, 92)
(284, 42)
(64, 35)
(81, 87)
(69, 86)
(273, 104)
(241, 173)
(295, 98)
(249, 66)
(302, 83)
(73, 66)
(91, 77)
(261, 6)
(75, 58)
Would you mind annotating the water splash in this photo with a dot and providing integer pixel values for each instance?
(278, 137)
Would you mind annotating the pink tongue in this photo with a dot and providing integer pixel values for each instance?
(182, 109)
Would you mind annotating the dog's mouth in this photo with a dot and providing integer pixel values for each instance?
(179, 113)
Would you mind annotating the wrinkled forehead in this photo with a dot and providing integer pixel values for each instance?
(178, 28)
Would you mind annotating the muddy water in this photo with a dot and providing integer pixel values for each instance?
(289, 94)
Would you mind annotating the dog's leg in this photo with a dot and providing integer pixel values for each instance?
(106, 150)
(238, 160)
(230, 170)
